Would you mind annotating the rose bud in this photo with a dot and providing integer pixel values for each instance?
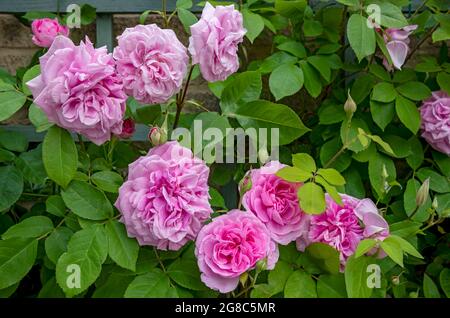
(157, 136)
(128, 128)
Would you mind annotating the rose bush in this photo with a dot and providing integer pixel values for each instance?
(358, 112)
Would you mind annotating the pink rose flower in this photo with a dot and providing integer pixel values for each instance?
(397, 44)
(79, 90)
(152, 63)
(435, 113)
(343, 227)
(274, 201)
(165, 200)
(128, 129)
(214, 41)
(45, 30)
(231, 245)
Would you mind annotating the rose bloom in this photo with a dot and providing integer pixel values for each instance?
(343, 227)
(274, 201)
(165, 200)
(45, 30)
(231, 245)
(152, 63)
(128, 129)
(435, 113)
(397, 44)
(214, 41)
(79, 90)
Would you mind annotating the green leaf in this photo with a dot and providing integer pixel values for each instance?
(10, 103)
(409, 196)
(416, 158)
(405, 246)
(356, 276)
(364, 246)
(88, 14)
(51, 289)
(349, 135)
(414, 90)
(376, 165)
(444, 279)
(55, 205)
(278, 277)
(391, 15)
(300, 285)
(11, 186)
(122, 249)
(245, 87)
(295, 48)
(329, 150)
(60, 156)
(290, 8)
(438, 183)
(430, 290)
(56, 243)
(311, 79)
(293, 174)
(352, 3)
(320, 63)
(31, 165)
(253, 23)
(264, 114)
(86, 250)
(443, 80)
(187, 19)
(33, 15)
(17, 256)
(332, 176)
(285, 80)
(31, 227)
(312, 28)
(108, 181)
(408, 113)
(361, 87)
(311, 198)
(331, 286)
(393, 250)
(304, 162)
(382, 113)
(87, 201)
(154, 284)
(13, 141)
(217, 199)
(6, 156)
(184, 4)
(185, 272)
(38, 118)
(28, 76)
(114, 286)
(324, 256)
(384, 92)
(360, 36)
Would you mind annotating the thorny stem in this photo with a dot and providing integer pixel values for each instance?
(182, 97)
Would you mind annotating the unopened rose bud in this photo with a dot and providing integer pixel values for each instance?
(350, 105)
(413, 294)
(261, 265)
(128, 128)
(435, 204)
(423, 193)
(245, 184)
(395, 280)
(157, 136)
(243, 278)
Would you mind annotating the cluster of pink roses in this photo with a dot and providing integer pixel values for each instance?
(165, 203)
(84, 89)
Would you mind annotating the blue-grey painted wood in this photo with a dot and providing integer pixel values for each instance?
(30, 132)
(104, 29)
(102, 6)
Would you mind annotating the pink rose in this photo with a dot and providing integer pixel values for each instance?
(79, 90)
(435, 113)
(274, 201)
(45, 30)
(128, 128)
(397, 44)
(165, 200)
(214, 41)
(231, 245)
(343, 227)
(152, 63)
